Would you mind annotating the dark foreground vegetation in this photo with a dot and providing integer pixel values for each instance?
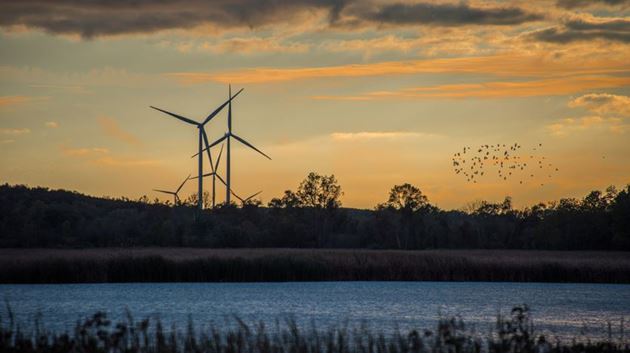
(255, 265)
(312, 217)
(514, 333)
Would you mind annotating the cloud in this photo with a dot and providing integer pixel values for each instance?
(576, 30)
(13, 100)
(386, 43)
(429, 43)
(560, 86)
(571, 125)
(610, 109)
(124, 162)
(84, 151)
(74, 89)
(99, 18)
(603, 103)
(15, 132)
(76, 81)
(101, 156)
(90, 19)
(499, 65)
(111, 128)
(380, 135)
(572, 4)
(253, 46)
(449, 15)
(52, 124)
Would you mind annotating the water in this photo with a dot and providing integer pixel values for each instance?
(563, 310)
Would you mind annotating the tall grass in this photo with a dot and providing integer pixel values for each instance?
(514, 333)
(251, 265)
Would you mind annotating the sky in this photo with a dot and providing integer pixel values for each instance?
(377, 93)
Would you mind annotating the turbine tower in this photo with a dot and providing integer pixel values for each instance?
(202, 138)
(215, 174)
(229, 135)
(176, 200)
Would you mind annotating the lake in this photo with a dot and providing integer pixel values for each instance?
(563, 310)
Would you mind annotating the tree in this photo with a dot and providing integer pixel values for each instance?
(406, 201)
(319, 191)
(620, 220)
(494, 209)
(191, 200)
(593, 201)
(316, 191)
(406, 198)
(288, 200)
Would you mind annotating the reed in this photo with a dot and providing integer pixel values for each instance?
(513, 333)
(257, 265)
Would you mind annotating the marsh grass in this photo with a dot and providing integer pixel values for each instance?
(513, 333)
(256, 265)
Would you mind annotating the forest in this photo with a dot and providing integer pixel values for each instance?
(312, 216)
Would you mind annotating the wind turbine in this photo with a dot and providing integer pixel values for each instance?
(176, 199)
(244, 201)
(229, 135)
(214, 174)
(202, 138)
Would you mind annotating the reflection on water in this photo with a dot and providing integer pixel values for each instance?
(566, 310)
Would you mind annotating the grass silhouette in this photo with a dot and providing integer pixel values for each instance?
(512, 333)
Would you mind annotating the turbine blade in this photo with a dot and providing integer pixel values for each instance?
(182, 185)
(216, 167)
(254, 195)
(205, 175)
(205, 140)
(184, 119)
(164, 191)
(225, 184)
(216, 111)
(250, 146)
(211, 145)
(238, 197)
(221, 179)
(229, 117)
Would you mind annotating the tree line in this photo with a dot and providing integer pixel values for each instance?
(312, 216)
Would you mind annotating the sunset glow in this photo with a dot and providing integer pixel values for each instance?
(375, 92)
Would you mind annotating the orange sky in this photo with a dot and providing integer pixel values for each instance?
(376, 92)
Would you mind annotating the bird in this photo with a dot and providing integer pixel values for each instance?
(505, 158)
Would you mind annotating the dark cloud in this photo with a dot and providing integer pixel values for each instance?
(580, 30)
(450, 15)
(572, 4)
(90, 18)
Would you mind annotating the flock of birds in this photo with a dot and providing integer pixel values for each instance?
(504, 162)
